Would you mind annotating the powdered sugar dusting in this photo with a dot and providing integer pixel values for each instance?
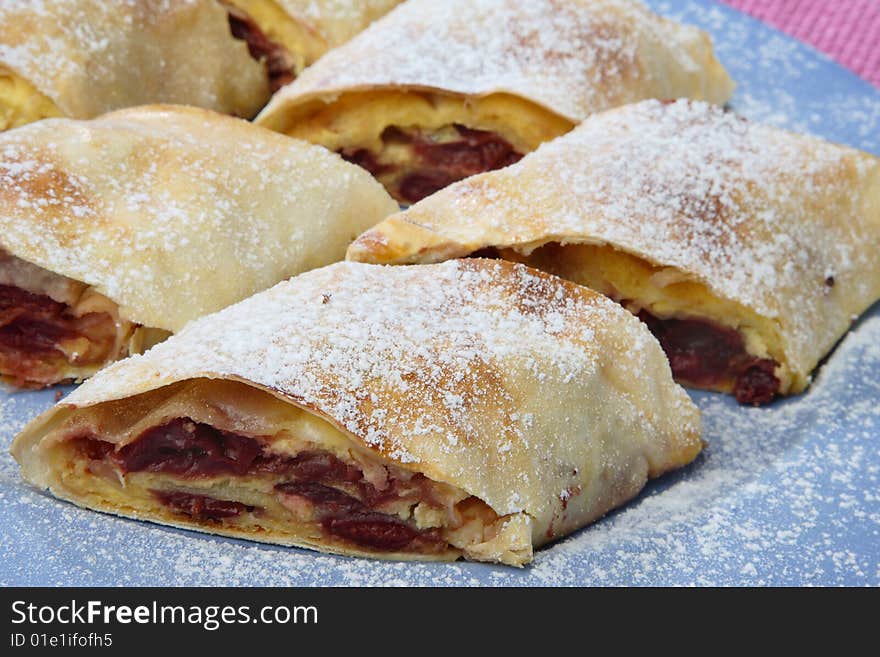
(783, 495)
(783, 82)
(757, 214)
(337, 21)
(83, 54)
(172, 212)
(808, 464)
(574, 58)
(441, 375)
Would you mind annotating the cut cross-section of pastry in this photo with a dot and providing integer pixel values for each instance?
(437, 91)
(82, 58)
(53, 328)
(747, 250)
(289, 35)
(117, 231)
(474, 408)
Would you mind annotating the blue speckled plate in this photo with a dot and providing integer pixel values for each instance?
(788, 494)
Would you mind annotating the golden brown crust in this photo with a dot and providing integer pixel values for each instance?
(130, 53)
(176, 212)
(782, 227)
(511, 385)
(572, 58)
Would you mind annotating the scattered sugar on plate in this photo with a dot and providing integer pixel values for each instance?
(785, 494)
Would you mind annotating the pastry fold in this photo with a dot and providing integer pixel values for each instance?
(290, 35)
(748, 250)
(436, 91)
(116, 231)
(82, 58)
(474, 408)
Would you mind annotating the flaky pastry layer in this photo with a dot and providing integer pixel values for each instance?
(310, 486)
(667, 294)
(55, 329)
(478, 377)
(732, 240)
(359, 124)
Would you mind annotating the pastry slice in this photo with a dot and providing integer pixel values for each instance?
(116, 232)
(289, 35)
(437, 91)
(81, 58)
(475, 408)
(747, 250)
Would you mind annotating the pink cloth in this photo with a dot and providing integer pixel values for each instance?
(847, 30)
